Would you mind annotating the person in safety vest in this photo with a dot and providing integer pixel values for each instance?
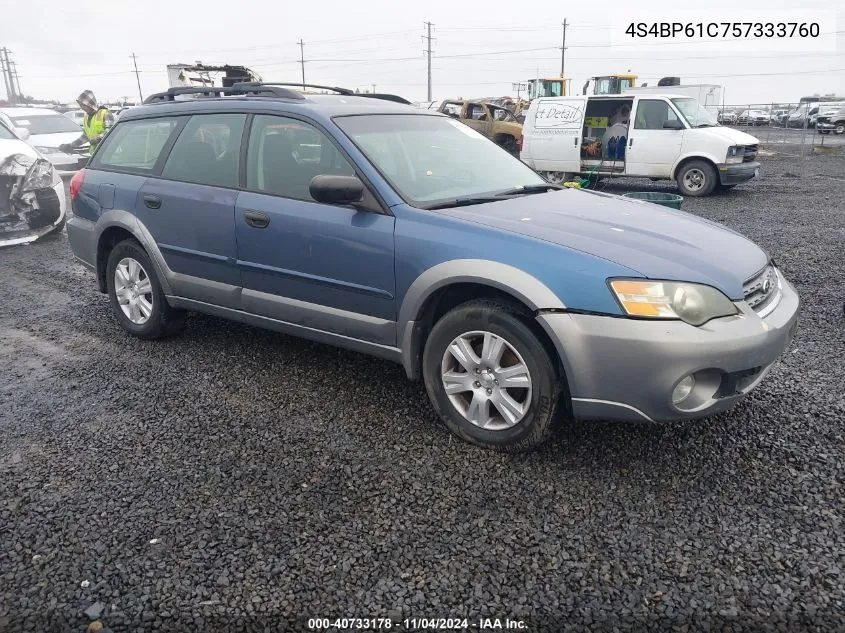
(98, 120)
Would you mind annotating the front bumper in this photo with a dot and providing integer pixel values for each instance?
(45, 212)
(740, 172)
(825, 126)
(626, 369)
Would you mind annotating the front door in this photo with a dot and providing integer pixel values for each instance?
(652, 147)
(477, 117)
(321, 266)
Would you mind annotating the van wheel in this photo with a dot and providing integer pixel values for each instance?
(556, 177)
(840, 128)
(697, 178)
(490, 378)
(135, 294)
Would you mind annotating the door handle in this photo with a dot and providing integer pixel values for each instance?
(576, 141)
(257, 219)
(630, 142)
(153, 202)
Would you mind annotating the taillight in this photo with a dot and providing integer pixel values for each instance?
(76, 183)
(519, 143)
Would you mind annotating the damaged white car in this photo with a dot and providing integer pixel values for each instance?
(32, 195)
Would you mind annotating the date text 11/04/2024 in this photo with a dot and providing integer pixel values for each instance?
(418, 624)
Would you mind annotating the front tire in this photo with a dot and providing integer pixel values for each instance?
(489, 377)
(136, 296)
(697, 178)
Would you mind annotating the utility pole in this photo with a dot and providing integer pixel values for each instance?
(519, 86)
(13, 73)
(302, 60)
(563, 49)
(428, 52)
(7, 75)
(137, 76)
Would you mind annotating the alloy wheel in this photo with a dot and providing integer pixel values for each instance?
(133, 290)
(486, 380)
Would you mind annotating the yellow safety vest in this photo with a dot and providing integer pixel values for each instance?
(94, 125)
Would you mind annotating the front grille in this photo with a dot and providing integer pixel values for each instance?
(823, 119)
(762, 290)
(750, 154)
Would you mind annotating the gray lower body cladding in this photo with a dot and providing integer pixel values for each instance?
(626, 369)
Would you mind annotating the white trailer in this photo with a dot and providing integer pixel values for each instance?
(708, 95)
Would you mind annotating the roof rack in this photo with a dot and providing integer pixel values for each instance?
(252, 88)
(343, 91)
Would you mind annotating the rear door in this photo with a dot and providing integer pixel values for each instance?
(325, 267)
(555, 134)
(189, 209)
(652, 148)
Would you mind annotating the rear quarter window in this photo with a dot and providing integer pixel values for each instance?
(135, 145)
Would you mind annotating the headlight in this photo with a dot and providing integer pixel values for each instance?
(735, 154)
(40, 176)
(694, 303)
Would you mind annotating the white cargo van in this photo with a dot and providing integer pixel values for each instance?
(664, 136)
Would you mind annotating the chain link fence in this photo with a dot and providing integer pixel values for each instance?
(787, 129)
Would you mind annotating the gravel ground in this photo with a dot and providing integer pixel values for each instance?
(236, 479)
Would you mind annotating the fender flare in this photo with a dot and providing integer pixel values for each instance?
(128, 222)
(526, 288)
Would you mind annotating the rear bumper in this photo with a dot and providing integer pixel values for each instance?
(626, 369)
(742, 172)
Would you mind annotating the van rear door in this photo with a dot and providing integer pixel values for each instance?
(552, 134)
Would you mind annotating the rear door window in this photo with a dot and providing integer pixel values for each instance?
(135, 145)
(207, 151)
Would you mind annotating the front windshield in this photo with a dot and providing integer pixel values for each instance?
(696, 115)
(433, 159)
(46, 124)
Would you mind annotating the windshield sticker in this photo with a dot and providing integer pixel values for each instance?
(466, 129)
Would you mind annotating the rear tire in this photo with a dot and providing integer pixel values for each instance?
(505, 391)
(136, 296)
(508, 143)
(697, 178)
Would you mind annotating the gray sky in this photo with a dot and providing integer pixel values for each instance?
(63, 48)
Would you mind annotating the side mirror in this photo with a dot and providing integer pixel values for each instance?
(673, 125)
(22, 133)
(336, 189)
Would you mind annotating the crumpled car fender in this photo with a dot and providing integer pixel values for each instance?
(26, 213)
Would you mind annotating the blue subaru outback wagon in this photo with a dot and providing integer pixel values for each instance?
(402, 233)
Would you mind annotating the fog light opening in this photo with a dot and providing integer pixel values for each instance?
(683, 390)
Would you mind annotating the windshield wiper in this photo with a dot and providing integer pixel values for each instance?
(517, 191)
(503, 195)
(464, 202)
(705, 125)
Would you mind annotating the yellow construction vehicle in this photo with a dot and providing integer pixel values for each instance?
(547, 87)
(611, 84)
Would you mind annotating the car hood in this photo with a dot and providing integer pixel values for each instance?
(657, 242)
(53, 140)
(732, 136)
(15, 146)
